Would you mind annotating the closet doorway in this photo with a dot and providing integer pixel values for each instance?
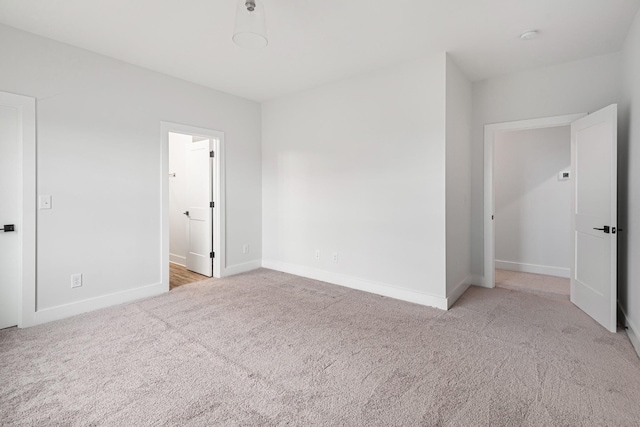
(593, 208)
(532, 196)
(192, 204)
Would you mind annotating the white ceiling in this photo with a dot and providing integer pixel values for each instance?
(312, 42)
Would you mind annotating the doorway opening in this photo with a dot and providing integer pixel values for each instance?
(593, 208)
(193, 204)
(513, 253)
(532, 221)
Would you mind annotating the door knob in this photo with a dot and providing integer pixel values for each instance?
(186, 213)
(8, 227)
(605, 229)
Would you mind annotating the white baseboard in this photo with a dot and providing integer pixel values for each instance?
(84, 306)
(242, 268)
(632, 331)
(458, 291)
(359, 284)
(177, 259)
(533, 268)
(477, 280)
(480, 281)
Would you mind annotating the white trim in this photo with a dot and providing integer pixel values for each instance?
(177, 259)
(219, 228)
(103, 301)
(460, 289)
(27, 128)
(359, 284)
(490, 132)
(219, 212)
(242, 268)
(632, 330)
(634, 337)
(533, 268)
(477, 280)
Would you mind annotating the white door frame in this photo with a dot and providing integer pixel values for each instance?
(27, 295)
(219, 266)
(490, 132)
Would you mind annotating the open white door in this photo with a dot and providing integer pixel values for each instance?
(17, 210)
(594, 215)
(199, 214)
(10, 212)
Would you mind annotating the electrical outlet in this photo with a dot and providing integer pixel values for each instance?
(45, 202)
(317, 255)
(245, 248)
(76, 280)
(334, 257)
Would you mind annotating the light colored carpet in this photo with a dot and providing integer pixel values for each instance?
(267, 348)
(540, 284)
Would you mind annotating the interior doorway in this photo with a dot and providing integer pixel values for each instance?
(193, 204)
(492, 133)
(532, 226)
(593, 213)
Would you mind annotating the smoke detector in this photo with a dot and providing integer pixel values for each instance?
(529, 35)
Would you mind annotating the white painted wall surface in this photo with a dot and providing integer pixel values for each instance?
(629, 186)
(357, 168)
(458, 179)
(575, 87)
(99, 158)
(177, 197)
(532, 206)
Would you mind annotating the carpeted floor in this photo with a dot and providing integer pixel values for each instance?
(267, 348)
(539, 284)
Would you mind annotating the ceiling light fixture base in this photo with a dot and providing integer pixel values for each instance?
(251, 29)
(529, 35)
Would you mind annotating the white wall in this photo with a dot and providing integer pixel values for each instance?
(458, 180)
(629, 186)
(575, 87)
(532, 206)
(99, 157)
(178, 197)
(357, 167)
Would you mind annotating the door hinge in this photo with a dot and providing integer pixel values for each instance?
(212, 254)
(212, 204)
(211, 154)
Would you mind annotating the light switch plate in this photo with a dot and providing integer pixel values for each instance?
(45, 202)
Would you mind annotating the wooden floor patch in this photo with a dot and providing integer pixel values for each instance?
(179, 275)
